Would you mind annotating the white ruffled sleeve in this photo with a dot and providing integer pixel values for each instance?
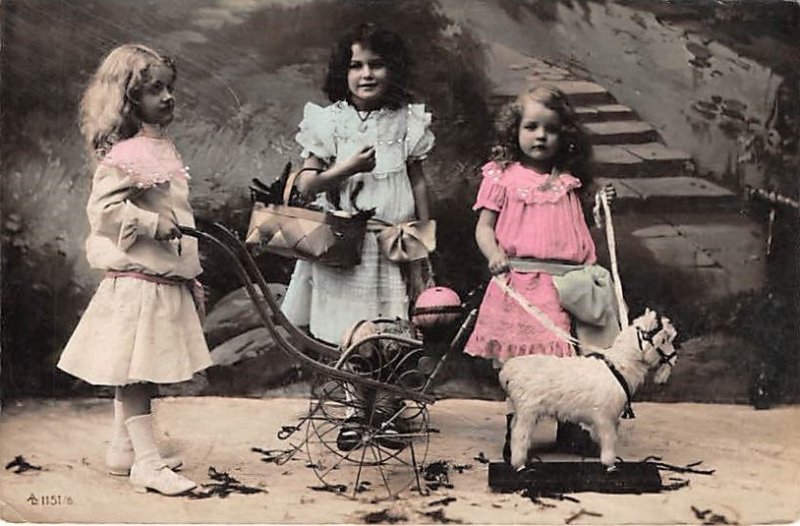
(420, 139)
(316, 133)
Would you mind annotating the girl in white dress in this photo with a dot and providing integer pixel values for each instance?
(142, 326)
(364, 151)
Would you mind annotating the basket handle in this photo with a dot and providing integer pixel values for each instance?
(287, 190)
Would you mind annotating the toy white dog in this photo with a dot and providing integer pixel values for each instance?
(594, 389)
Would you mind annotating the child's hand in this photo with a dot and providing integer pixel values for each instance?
(363, 161)
(610, 193)
(167, 227)
(498, 262)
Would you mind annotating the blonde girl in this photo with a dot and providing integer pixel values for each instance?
(142, 326)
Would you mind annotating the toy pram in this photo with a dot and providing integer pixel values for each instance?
(383, 377)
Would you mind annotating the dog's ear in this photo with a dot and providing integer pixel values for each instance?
(649, 319)
(669, 328)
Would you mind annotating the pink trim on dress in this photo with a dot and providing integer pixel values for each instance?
(149, 161)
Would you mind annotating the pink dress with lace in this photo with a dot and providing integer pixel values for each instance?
(536, 223)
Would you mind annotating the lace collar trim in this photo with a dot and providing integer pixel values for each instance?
(148, 161)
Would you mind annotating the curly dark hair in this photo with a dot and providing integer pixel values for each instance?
(388, 45)
(574, 149)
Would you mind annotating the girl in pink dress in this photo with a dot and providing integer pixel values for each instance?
(530, 210)
(142, 327)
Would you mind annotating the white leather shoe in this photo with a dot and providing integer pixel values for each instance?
(119, 455)
(119, 460)
(148, 470)
(155, 475)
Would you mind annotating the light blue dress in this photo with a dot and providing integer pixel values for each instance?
(329, 300)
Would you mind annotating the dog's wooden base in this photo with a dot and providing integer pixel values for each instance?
(573, 477)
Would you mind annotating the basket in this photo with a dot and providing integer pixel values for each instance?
(331, 238)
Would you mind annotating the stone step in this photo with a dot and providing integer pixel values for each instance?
(615, 161)
(655, 151)
(640, 160)
(618, 132)
(605, 113)
(579, 92)
(678, 234)
(670, 194)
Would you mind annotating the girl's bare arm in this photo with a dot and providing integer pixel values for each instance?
(420, 190)
(312, 182)
(487, 242)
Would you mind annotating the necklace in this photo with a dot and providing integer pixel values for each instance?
(363, 126)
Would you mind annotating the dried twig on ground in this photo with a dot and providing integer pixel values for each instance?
(331, 488)
(436, 475)
(481, 458)
(222, 486)
(675, 485)
(438, 516)
(688, 468)
(581, 513)
(534, 496)
(20, 465)
(277, 456)
(386, 516)
(363, 486)
(442, 502)
(558, 496)
(709, 517)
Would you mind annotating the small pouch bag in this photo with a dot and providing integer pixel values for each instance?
(587, 293)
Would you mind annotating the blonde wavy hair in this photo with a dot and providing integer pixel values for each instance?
(107, 113)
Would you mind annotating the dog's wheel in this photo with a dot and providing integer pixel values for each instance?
(363, 439)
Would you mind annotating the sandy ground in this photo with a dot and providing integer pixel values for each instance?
(755, 456)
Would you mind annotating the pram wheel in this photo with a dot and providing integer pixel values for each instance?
(375, 389)
(361, 438)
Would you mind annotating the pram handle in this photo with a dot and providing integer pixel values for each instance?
(284, 344)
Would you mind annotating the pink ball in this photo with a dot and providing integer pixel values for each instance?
(435, 307)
